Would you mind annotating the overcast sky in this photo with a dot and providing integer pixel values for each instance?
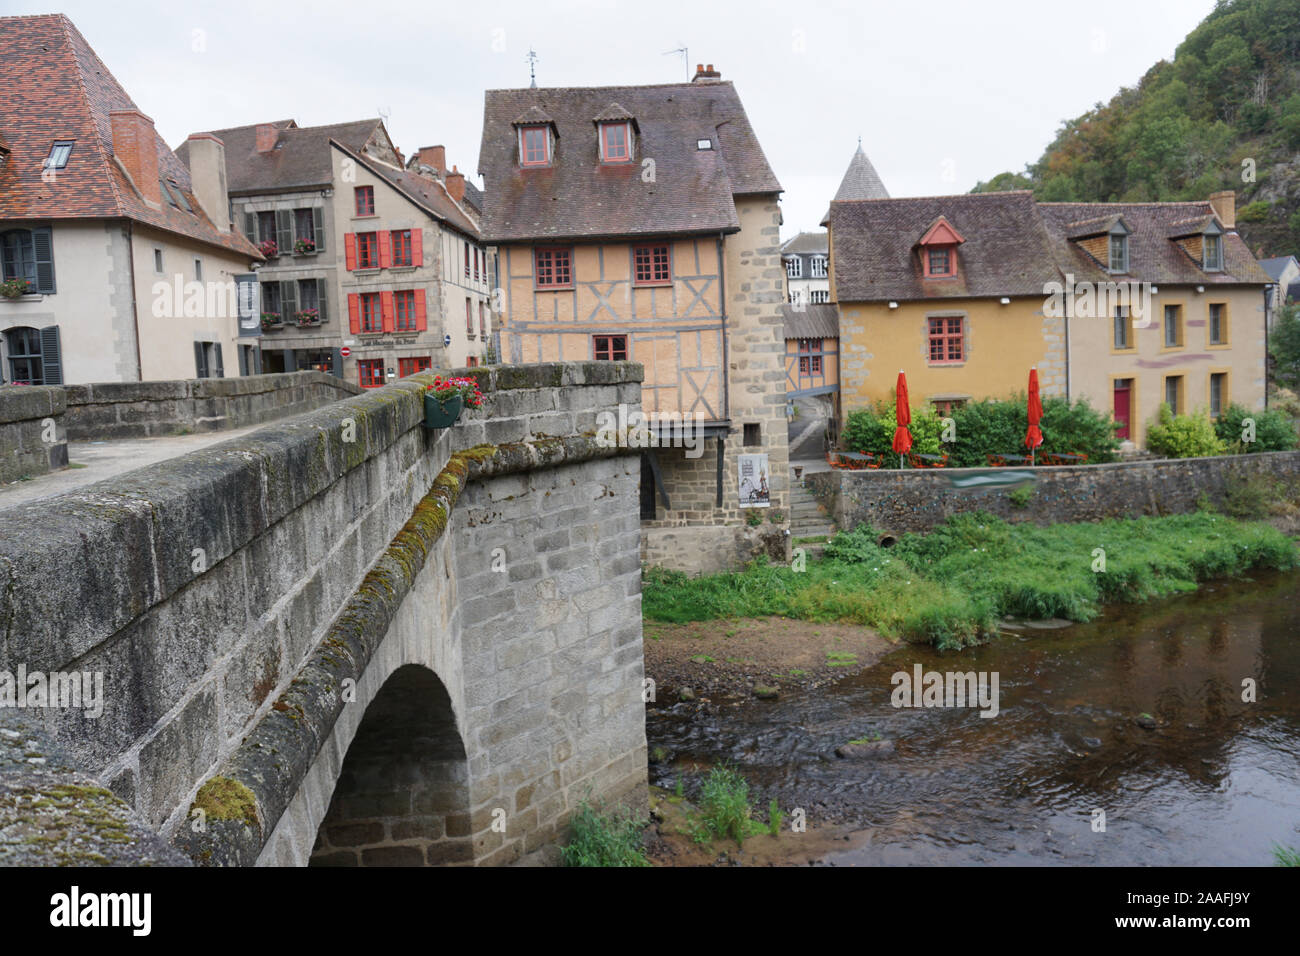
(944, 93)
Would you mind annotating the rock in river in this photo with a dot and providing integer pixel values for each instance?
(865, 751)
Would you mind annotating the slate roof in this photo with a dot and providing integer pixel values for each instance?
(56, 88)
(1007, 251)
(861, 181)
(577, 197)
(1153, 255)
(1275, 266)
(812, 322)
(301, 158)
(429, 194)
(806, 243)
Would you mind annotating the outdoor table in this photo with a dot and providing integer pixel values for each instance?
(1064, 458)
(1008, 459)
(934, 461)
(851, 458)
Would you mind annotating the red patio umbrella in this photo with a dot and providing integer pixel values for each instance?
(1034, 437)
(903, 417)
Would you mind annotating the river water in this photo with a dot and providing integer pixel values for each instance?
(1216, 782)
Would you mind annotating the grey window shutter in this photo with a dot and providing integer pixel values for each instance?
(200, 360)
(51, 355)
(221, 372)
(321, 286)
(243, 351)
(284, 230)
(290, 360)
(288, 299)
(257, 360)
(318, 224)
(250, 226)
(44, 246)
(336, 363)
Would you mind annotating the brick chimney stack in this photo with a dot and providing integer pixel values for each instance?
(266, 136)
(706, 74)
(435, 156)
(135, 146)
(455, 181)
(1224, 205)
(207, 161)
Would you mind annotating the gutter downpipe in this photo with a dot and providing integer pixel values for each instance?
(726, 360)
(135, 306)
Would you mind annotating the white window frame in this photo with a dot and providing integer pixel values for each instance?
(818, 268)
(794, 268)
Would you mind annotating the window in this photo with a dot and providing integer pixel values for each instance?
(482, 321)
(198, 270)
(819, 296)
(266, 227)
(1218, 327)
(810, 362)
(1123, 328)
(1218, 392)
(819, 267)
(534, 145)
(651, 265)
(1174, 393)
(553, 268)
(939, 262)
(610, 347)
(207, 360)
(476, 263)
(1119, 254)
(469, 318)
(271, 299)
(365, 196)
(29, 254)
(416, 363)
(753, 434)
(1173, 327)
(471, 361)
(367, 250)
(404, 303)
(946, 340)
(158, 261)
(310, 296)
(372, 319)
(370, 373)
(308, 231)
(615, 142)
(26, 365)
(796, 296)
(794, 268)
(402, 247)
(946, 406)
(466, 247)
(704, 144)
(59, 154)
(1213, 255)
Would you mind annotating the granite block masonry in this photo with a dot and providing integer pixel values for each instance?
(260, 607)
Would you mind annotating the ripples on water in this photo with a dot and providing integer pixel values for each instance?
(1217, 783)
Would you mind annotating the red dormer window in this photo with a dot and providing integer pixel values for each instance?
(939, 250)
(615, 142)
(534, 146)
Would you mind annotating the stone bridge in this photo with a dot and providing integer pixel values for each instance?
(341, 639)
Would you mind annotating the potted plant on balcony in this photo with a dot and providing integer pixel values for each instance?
(268, 248)
(446, 398)
(14, 288)
(307, 318)
(271, 320)
(304, 247)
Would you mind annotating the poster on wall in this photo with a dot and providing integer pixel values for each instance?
(250, 304)
(753, 482)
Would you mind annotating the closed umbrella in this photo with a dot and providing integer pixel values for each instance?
(903, 418)
(1034, 437)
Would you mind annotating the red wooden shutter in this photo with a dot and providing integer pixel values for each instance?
(417, 248)
(354, 311)
(386, 307)
(385, 249)
(350, 250)
(420, 323)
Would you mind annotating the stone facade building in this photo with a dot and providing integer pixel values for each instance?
(122, 262)
(641, 223)
(806, 258)
(363, 252)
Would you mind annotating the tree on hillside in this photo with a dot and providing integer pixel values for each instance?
(1284, 346)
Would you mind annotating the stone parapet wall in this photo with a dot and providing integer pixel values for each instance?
(32, 436)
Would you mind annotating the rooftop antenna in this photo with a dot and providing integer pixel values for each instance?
(686, 57)
(532, 59)
(384, 112)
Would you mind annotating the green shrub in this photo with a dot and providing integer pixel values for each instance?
(1254, 212)
(872, 431)
(1021, 497)
(1077, 428)
(1183, 436)
(1274, 431)
(603, 839)
(724, 804)
(1250, 497)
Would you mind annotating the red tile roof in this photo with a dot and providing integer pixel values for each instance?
(429, 194)
(56, 88)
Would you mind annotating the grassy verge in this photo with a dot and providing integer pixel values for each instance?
(950, 586)
(603, 838)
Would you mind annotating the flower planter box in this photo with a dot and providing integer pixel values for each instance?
(442, 415)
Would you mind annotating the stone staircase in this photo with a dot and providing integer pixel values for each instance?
(807, 518)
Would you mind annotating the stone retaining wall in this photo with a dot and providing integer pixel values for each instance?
(30, 416)
(918, 499)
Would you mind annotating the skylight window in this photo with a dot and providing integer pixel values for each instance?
(704, 144)
(59, 153)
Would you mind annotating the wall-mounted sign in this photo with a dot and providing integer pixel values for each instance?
(753, 482)
(446, 341)
(345, 351)
(250, 305)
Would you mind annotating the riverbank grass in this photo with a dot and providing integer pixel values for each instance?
(603, 838)
(950, 587)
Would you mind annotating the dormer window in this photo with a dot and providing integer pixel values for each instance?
(1118, 253)
(819, 267)
(939, 262)
(1212, 252)
(534, 145)
(615, 142)
(939, 250)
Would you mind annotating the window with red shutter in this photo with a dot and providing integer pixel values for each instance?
(413, 364)
(365, 196)
(371, 317)
(367, 250)
(404, 304)
(552, 268)
(421, 320)
(469, 318)
(466, 260)
(401, 243)
(482, 321)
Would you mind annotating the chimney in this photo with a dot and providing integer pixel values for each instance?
(706, 74)
(1224, 205)
(266, 136)
(455, 181)
(207, 161)
(135, 146)
(435, 156)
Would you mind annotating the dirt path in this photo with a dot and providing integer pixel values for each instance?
(731, 658)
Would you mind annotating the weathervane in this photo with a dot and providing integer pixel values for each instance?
(532, 59)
